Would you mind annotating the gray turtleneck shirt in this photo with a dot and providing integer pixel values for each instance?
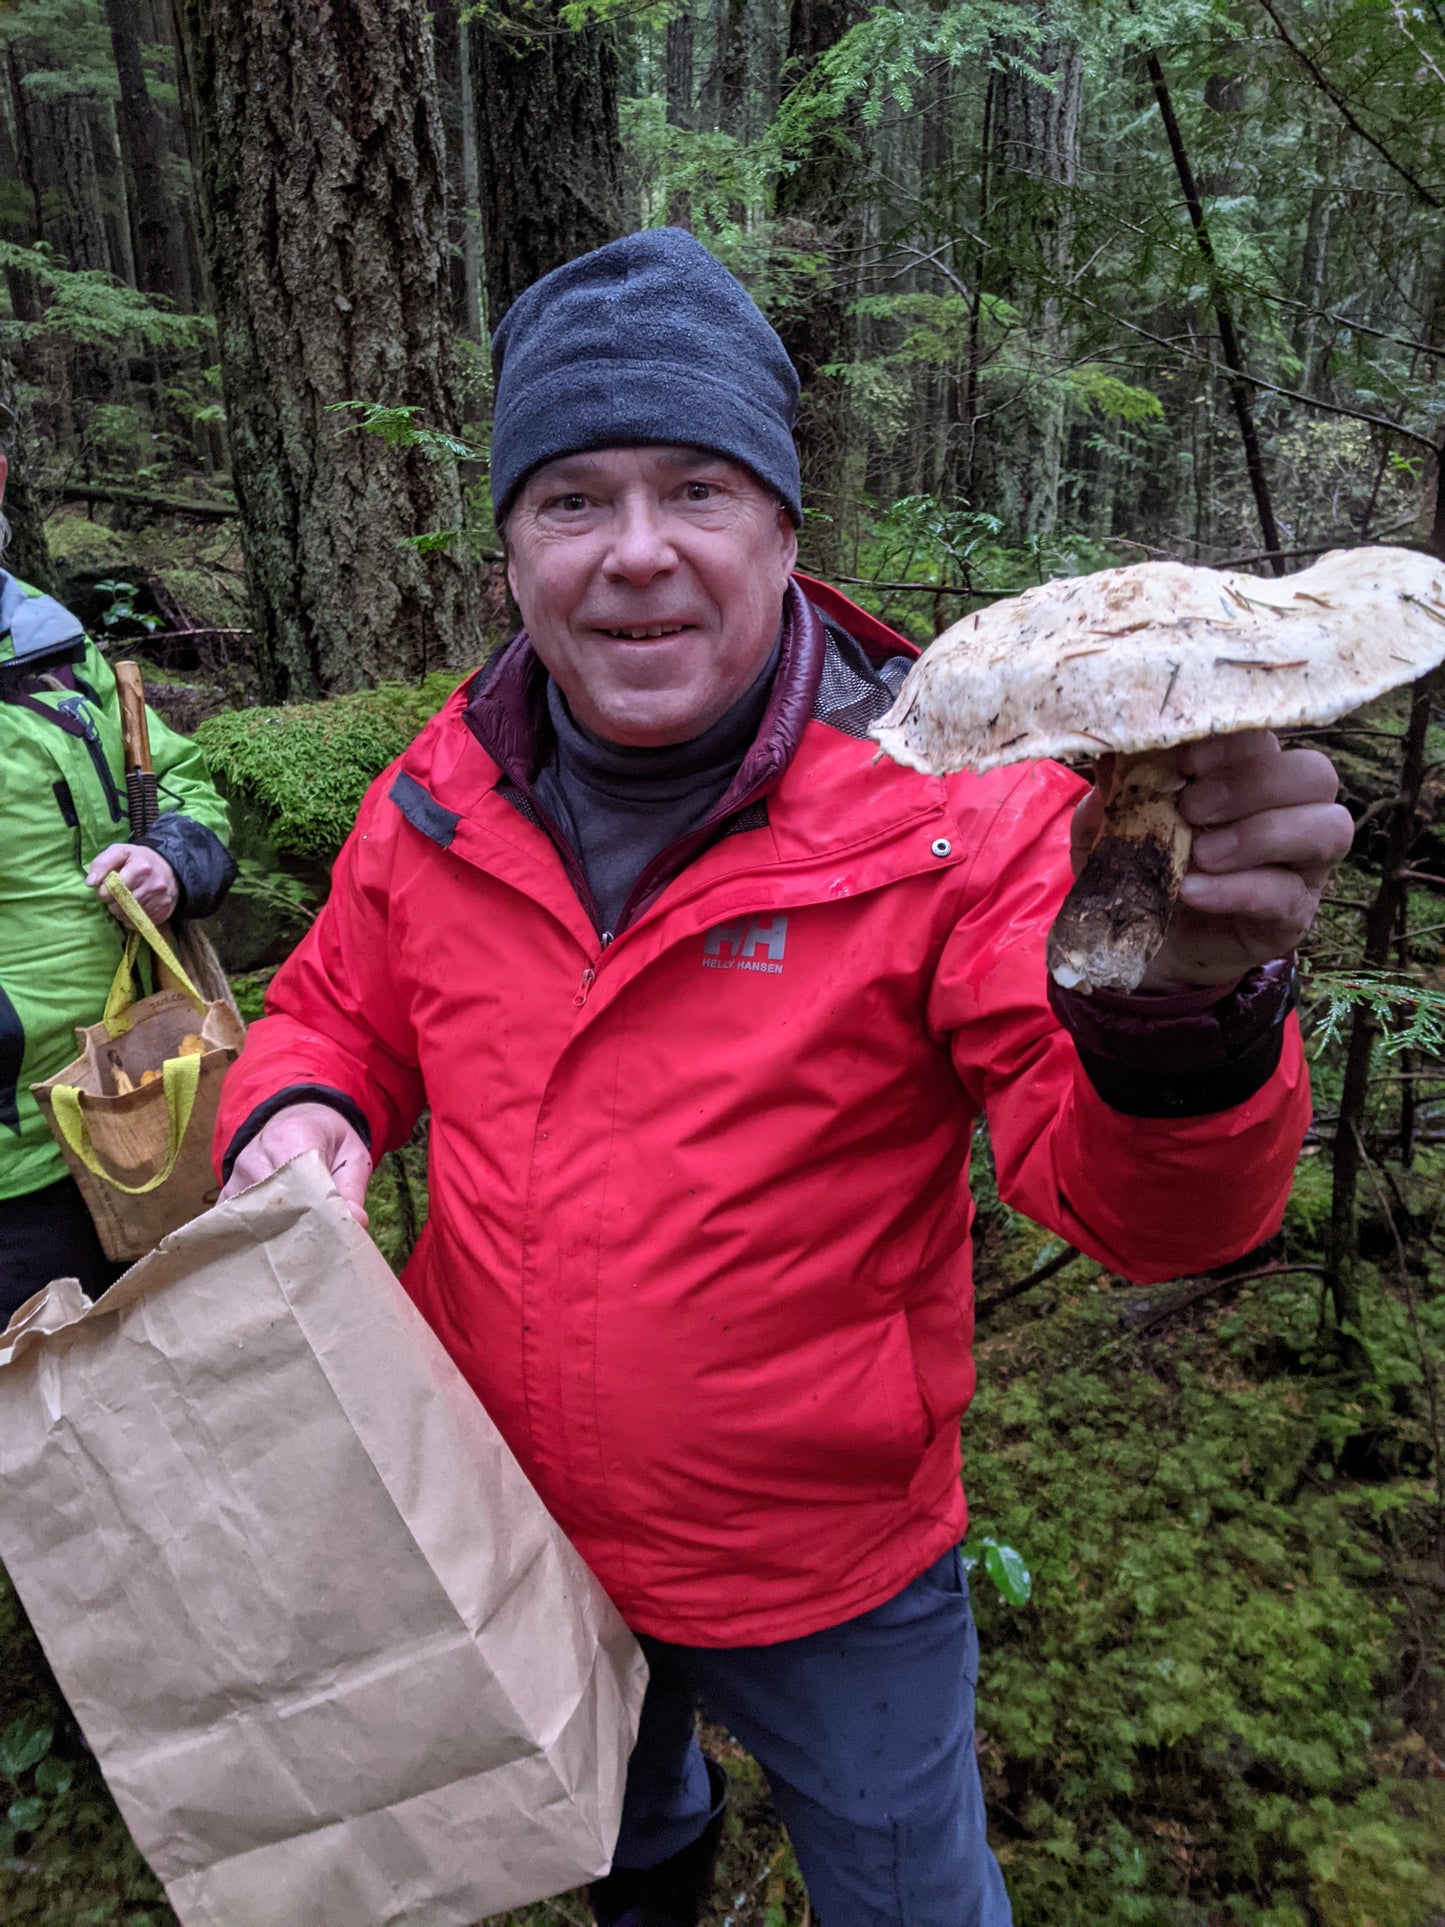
(620, 807)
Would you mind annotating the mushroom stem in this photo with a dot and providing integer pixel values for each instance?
(1114, 918)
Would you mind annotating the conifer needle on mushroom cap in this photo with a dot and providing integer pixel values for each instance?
(1137, 661)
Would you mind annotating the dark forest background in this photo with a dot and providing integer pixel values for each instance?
(1070, 284)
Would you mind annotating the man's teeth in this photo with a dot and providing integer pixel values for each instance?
(649, 634)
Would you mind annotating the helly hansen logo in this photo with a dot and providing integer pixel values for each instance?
(749, 943)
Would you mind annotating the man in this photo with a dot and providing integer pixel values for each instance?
(704, 1004)
(63, 830)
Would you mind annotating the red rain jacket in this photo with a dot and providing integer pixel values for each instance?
(699, 1215)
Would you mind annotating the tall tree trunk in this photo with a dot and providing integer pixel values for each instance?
(679, 100)
(59, 140)
(471, 185)
(113, 190)
(550, 176)
(27, 554)
(732, 66)
(451, 48)
(321, 164)
(820, 204)
(1036, 136)
(156, 231)
(20, 226)
(680, 34)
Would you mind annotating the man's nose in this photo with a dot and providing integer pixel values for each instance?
(641, 545)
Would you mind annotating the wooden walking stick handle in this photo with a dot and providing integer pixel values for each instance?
(134, 726)
(140, 782)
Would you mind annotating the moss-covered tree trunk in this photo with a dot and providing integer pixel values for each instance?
(321, 166)
(550, 158)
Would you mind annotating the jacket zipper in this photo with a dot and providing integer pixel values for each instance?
(75, 706)
(589, 975)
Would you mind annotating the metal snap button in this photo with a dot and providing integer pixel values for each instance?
(942, 846)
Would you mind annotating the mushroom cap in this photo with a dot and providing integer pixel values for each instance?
(1163, 653)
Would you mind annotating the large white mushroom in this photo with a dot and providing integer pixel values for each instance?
(1137, 661)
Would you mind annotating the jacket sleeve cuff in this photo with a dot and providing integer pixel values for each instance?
(293, 1094)
(204, 867)
(1183, 1053)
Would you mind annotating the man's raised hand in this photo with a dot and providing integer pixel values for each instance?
(1267, 832)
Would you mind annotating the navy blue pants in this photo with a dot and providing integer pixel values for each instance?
(865, 1732)
(48, 1234)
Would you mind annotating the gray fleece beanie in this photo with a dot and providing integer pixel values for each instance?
(646, 340)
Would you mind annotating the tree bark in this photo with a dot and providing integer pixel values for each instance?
(471, 191)
(680, 35)
(680, 110)
(156, 230)
(21, 226)
(321, 166)
(732, 66)
(550, 173)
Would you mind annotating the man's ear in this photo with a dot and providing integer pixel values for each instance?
(789, 536)
(4, 472)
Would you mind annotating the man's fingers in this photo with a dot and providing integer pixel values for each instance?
(1308, 837)
(1283, 780)
(350, 1176)
(1280, 897)
(1217, 753)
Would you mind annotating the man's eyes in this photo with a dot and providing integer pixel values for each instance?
(574, 502)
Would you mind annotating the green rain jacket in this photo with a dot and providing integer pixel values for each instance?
(62, 800)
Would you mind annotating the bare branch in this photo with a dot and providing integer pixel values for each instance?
(1258, 381)
(1331, 92)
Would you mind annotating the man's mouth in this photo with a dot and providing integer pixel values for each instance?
(645, 631)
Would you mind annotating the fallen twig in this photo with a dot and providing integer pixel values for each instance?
(986, 1306)
(1213, 1286)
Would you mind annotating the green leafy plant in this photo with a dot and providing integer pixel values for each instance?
(1005, 1567)
(122, 606)
(33, 1776)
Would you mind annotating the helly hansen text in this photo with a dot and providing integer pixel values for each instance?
(748, 943)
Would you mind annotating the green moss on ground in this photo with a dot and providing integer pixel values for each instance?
(306, 766)
(78, 542)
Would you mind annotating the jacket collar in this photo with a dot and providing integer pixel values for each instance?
(507, 713)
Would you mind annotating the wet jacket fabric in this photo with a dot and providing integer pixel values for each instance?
(62, 800)
(699, 1217)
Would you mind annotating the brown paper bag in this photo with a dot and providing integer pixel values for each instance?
(339, 1666)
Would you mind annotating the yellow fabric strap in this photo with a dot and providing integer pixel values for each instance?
(179, 1079)
(116, 1016)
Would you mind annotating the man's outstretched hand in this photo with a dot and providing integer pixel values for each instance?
(307, 1127)
(1267, 832)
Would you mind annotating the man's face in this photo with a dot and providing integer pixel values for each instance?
(651, 583)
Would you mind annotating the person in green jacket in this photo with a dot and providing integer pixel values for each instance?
(63, 829)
